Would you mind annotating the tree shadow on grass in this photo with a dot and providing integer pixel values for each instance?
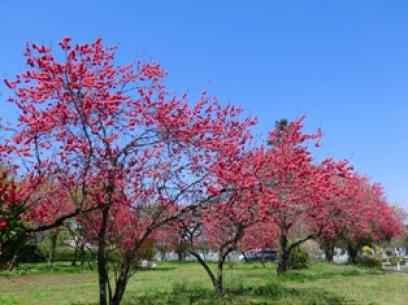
(44, 268)
(302, 277)
(273, 293)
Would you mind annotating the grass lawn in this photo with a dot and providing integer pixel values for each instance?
(187, 284)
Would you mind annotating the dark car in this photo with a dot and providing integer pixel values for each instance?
(270, 255)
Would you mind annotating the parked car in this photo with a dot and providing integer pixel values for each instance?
(269, 255)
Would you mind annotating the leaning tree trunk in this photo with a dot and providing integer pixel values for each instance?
(203, 263)
(244, 257)
(216, 278)
(122, 280)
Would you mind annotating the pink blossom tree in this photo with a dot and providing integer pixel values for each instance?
(123, 150)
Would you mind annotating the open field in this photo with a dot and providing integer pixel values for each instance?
(174, 283)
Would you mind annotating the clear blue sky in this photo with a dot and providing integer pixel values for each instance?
(344, 64)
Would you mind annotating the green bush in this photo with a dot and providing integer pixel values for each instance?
(369, 261)
(30, 254)
(67, 255)
(299, 259)
(367, 250)
(394, 260)
(389, 252)
(64, 255)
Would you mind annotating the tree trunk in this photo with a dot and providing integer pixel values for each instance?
(329, 253)
(352, 253)
(284, 260)
(263, 259)
(218, 284)
(219, 279)
(75, 256)
(223, 254)
(103, 276)
(53, 246)
(82, 253)
(213, 278)
(163, 254)
(122, 280)
(328, 246)
(329, 250)
(79, 254)
(13, 262)
(244, 256)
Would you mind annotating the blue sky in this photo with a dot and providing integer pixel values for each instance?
(344, 64)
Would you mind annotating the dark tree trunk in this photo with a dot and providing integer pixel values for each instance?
(163, 254)
(13, 262)
(79, 254)
(352, 251)
(75, 256)
(244, 256)
(220, 267)
(329, 253)
(263, 259)
(205, 266)
(103, 276)
(82, 253)
(179, 256)
(328, 246)
(122, 280)
(224, 251)
(219, 278)
(285, 253)
(53, 246)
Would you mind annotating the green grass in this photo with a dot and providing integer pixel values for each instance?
(188, 284)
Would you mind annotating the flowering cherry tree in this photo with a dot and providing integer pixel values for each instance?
(223, 224)
(295, 190)
(369, 217)
(121, 148)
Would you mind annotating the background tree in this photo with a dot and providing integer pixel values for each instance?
(370, 218)
(295, 189)
(223, 224)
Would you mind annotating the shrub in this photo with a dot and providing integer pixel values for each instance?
(389, 251)
(394, 260)
(30, 254)
(67, 255)
(367, 250)
(299, 259)
(369, 261)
